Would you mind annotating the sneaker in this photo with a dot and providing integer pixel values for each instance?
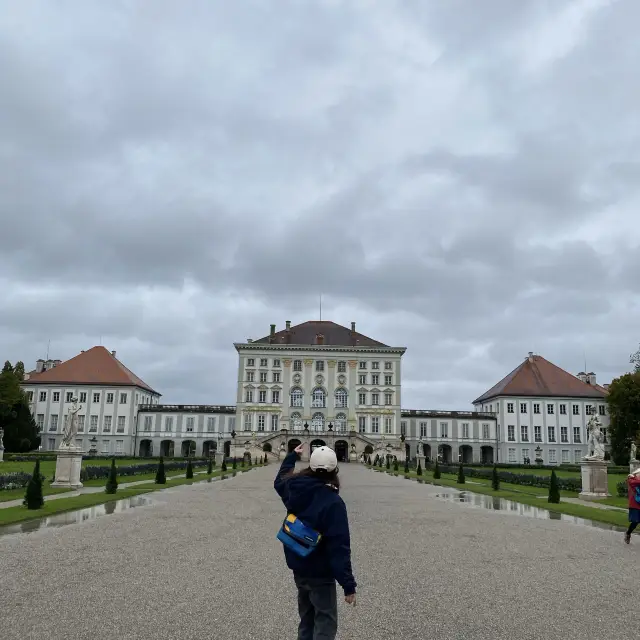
(627, 538)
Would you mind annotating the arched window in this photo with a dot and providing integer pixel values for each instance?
(318, 398)
(297, 397)
(296, 421)
(342, 397)
(317, 422)
(341, 423)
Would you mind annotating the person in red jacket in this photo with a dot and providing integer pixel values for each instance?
(633, 485)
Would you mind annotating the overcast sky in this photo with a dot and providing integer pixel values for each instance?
(460, 178)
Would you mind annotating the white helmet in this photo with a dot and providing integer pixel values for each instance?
(323, 459)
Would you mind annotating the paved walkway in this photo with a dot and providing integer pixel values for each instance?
(204, 563)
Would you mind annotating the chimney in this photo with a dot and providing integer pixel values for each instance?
(113, 353)
(288, 325)
(272, 333)
(353, 326)
(57, 362)
(249, 339)
(39, 365)
(591, 378)
(319, 339)
(530, 356)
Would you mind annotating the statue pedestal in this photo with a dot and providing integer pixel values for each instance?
(1, 453)
(219, 458)
(594, 479)
(421, 461)
(634, 465)
(68, 465)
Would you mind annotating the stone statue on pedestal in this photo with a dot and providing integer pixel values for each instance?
(70, 426)
(632, 457)
(595, 440)
(1, 444)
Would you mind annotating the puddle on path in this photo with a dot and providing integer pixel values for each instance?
(76, 517)
(494, 503)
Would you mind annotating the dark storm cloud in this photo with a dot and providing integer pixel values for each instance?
(458, 179)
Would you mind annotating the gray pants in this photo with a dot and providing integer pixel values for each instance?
(318, 608)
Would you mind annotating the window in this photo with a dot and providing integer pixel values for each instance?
(375, 424)
(297, 365)
(261, 422)
(388, 398)
(486, 432)
(341, 398)
(403, 428)
(109, 398)
(524, 433)
(362, 378)
(52, 443)
(536, 407)
(465, 429)
(563, 409)
(577, 437)
(69, 397)
(137, 398)
(576, 409)
(512, 455)
(274, 422)
(511, 433)
(318, 398)
(83, 396)
(387, 424)
(362, 365)
(552, 434)
(577, 455)
(342, 366)
(43, 396)
(56, 396)
(564, 435)
(168, 424)
(248, 422)
(491, 408)
(297, 397)
(375, 378)
(251, 362)
(444, 429)
(53, 422)
(119, 446)
(262, 395)
(589, 410)
(276, 362)
(550, 409)
(248, 395)
(319, 365)
(276, 376)
(523, 407)
(211, 423)
(388, 366)
(263, 376)
(123, 398)
(525, 454)
(250, 376)
(40, 421)
(537, 433)
(264, 362)
(96, 397)
(275, 396)
(509, 407)
(388, 379)
(317, 422)
(375, 398)
(423, 429)
(362, 424)
(602, 410)
(296, 421)
(121, 423)
(147, 423)
(341, 423)
(190, 423)
(93, 425)
(105, 446)
(564, 456)
(106, 426)
(362, 398)
(375, 365)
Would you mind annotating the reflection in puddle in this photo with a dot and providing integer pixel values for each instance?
(76, 517)
(494, 503)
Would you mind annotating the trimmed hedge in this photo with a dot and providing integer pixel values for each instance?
(623, 489)
(18, 480)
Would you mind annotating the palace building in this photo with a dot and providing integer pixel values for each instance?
(317, 383)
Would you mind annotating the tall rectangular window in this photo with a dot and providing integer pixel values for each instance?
(93, 425)
(388, 379)
(375, 424)
(168, 424)
(576, 409)
(211, 423)
(276, 376)
(147, 423)
(342, 366)
(275, 396)
(121, 424)
(262, 396)
(387, 424)
(511, 433)
(423, 429)
(250, 376)
(403, 428)
(523, 407)
(388, 366)
(577, 455)
(109, 398)
(362, 365)
(247, 422)
(388, 398)
(53, 422)
(465, 430)
(248, 395)
(551, 434)
(362, 424)
(375, 365)
(261, 422)
(69, 396)
(274, 422)
(297, 365)
(537, 431)
(375, 378)
(190, 424)
(486, 432)
(81, 423)
(56, 396)
(444, 429)
(263, 376)
(119, 446)
(106, 425)
(512, 455)
(565, 456)
(105, 446)
(43, 397)
(536, 407)
(83, 397)
(524, 433)
(510, 408)
(362, 398)
(276, 362)
(577, 437)
(264, 362)
(96, 397)
(563, 409)
(375, 398)
(123, 398)
(550, 409)
(602, 410)
(319, 365)
(251, 362)
(525, 454)
(362, 378)
(40, 421)
(564, 435)
(589, 410)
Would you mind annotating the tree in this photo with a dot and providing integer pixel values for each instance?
(436, 471)
(419, 468)
(623, 400)
(634, 359)
(395, 464)
(495, 479)
(18, 370)
(33, 497)
(112, 482)
(189, 472)
(20, 430)
(210, 466)
(223, 467)
(554, 491)
(406, 465)
(461, 479)
(161, 478)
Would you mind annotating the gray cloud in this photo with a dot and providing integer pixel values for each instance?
(459, 180)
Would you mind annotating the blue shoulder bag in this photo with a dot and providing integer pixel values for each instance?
(298, 537)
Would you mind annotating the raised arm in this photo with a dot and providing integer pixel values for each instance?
(288, 464)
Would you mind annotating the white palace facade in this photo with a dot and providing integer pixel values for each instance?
(317, 383)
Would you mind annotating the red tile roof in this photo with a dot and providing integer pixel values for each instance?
(334, 335)
(539, 377)
(95, 366)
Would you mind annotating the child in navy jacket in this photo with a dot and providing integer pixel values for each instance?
(312, 496)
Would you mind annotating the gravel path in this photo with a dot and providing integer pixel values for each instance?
(204, 563)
